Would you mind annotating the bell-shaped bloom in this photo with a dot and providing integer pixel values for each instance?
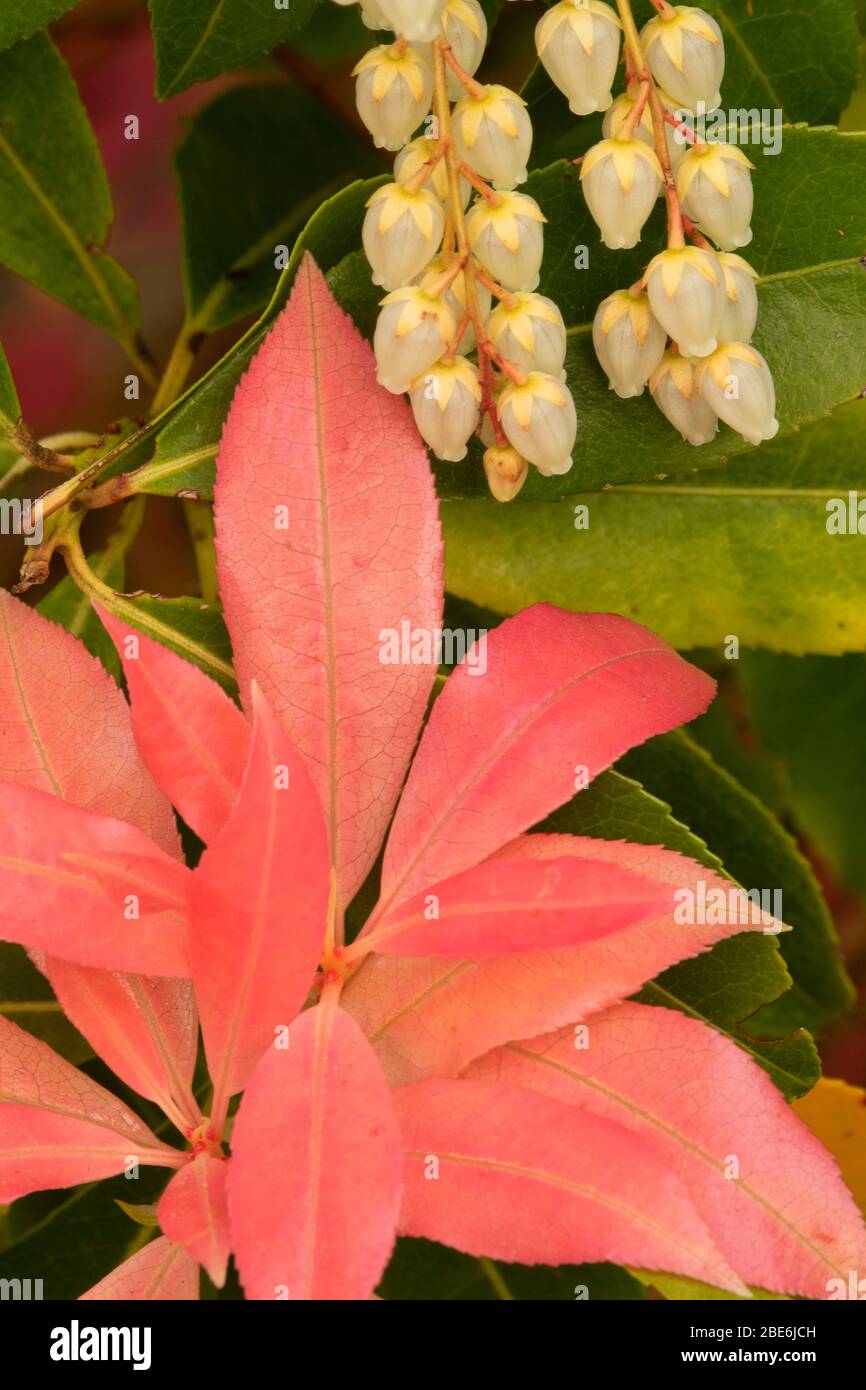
(493, 135)
(372, 14)
(412, 331)
(455, 297)
(446, 401)
(506, 471)
(714, 182)
(579, 46)
(414, 156)
(507, 236)
(621, 180)
(417, 20)
(465, 27)
(738, 385)
(402, 232)
(621, 108)
(540, 420)
(675, 392)
(393, 93)
(530, 332)
(686, 54)
(740, 313)
(687, 295)
(629, 341)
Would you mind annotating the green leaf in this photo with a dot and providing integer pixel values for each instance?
(808, 713)
(239, 203)
(190, 627)
(10, 409)
(743, 552)
(67, 605)
(27, 1000)
(759, 854)
(800, 62)
(690, 1291)
(189, 439)
(22, 18)
(724, 987)
(54, 194)
(197, 39)
(421, 1270)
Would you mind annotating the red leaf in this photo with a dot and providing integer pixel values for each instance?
(782, 1216)
(258, 908)
(314, 1181)
(429, 1017)
(193, 1211)
(64, 727)
(57, 1127)
(192, 737)
(502, 1172)
(67, 881)
(159, 1271)
(510, 906)
(562, 693)
(310, 431)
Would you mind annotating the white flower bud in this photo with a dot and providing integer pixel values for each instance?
(506, 472)
(493, 135)
(465, 26)
(715, 187)
(508, 239)
(618, 113)
(740, 313)
(455, 298)
(675, 392)
(578, 43)
(738, 385)
(629, 342)
(414, 156)
(686, 55)
(540, 421)
(372, 13)
(392, 93)
(446, 403)
(686, 292)
(621, 180)
(412, 332)
(402, 232)
(418, 20)
(530, 333)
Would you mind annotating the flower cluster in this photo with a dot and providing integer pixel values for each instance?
(458, 249)
(686, 326)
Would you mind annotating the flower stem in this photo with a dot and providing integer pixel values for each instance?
(638, 63)
(475, 89)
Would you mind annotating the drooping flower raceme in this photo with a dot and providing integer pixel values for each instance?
(478, 150)
(697, 296)
(357, 1060)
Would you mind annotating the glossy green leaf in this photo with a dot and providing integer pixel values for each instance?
(252, 168)
(26, 998)
(19, 19)
(10, 409)
(422, 1270)
(690, 1291)
(189, 439)
(54, 195)
(808, 713)
(726, 986)
(197, 39)
(800, 62)
(67, 605)
(759, 854)
(192, 628)
(742, 551)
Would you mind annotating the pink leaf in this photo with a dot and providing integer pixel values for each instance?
(193, 1211)
(771, 1195)
(328, 537)
(57, 1127)
(192, 737)
(510, 906)
(432, 1017)
(70, 881)
(159, 1271)
(563, 696)
(64, 727)
(258, 907)
(500, 1171)
(314, 1181)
